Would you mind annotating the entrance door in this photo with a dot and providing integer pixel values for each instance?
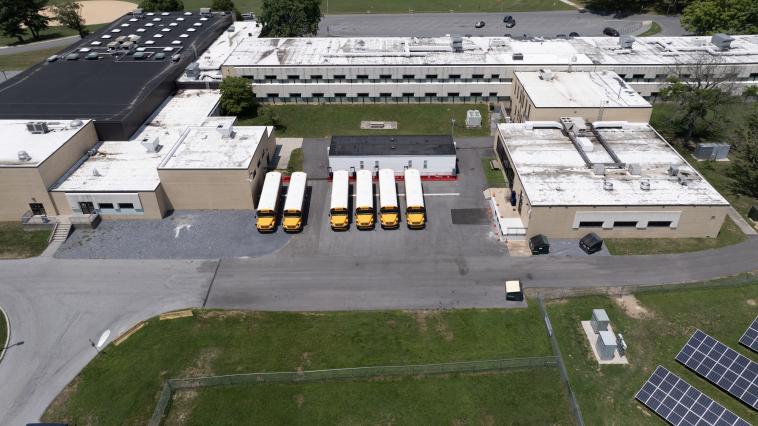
(38, 209)
(87, 207)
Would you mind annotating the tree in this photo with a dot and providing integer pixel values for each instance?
(32, 19)
(290, 18)
(744, 168)
(223, 5)
(11, 19)
(17, 16)
(236, 96)
(721, 16)
(618, 7)
(161, 5)
(698, 89)
(69, 13)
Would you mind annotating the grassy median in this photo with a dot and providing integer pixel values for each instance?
(220, 342)
(15, 243)
(655, 325)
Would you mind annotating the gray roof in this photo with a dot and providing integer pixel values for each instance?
(392, 145)
(600, 314)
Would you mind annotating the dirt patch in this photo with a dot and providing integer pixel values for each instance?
(203, 365)
(556, 302)
(182, 403)
(443, 330)
(100, 11)
(421, 317)
(222, 314)
(632, 307)
(58, 406)
(752, 302)
(299, 400)
(488, 420)
(392, 324)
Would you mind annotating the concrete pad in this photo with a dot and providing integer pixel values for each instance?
(592, 338)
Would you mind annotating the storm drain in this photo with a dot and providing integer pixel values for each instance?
(469, 216)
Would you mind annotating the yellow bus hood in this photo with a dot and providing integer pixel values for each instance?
(291, 222)
(265, 222)
(339, 220)
(389, 218)
(364, 219)
(416, 218)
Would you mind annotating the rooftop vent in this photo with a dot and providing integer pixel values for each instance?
(37, 127)
(722, 41)
(96, 172)
(518, 56)
(683, 180)
(151, 145)
(24, 156)
(456, 43)
(546, 74)
(635, 169)
(626, 41)
(608, 186)
(138, 13)
(673, 170)
(75, 124)
(645, 185)
(599, 169)
(205, 11)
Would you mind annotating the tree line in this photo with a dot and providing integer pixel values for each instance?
(17, 17)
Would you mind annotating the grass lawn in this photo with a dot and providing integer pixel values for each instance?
(15, 243)
(713, 171)
(403, 6)
(654, 29)
(48, 34)
(495, 178)
(317, 121)
(728, 235)
(295, 163)
(606, 393)
(475, 399)
(219, 342)
(21, 61)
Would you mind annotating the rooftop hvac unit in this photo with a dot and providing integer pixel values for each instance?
(456, 43)
(635, 169)
(24, 156)
(205, 11)
(683, 180)
(722, 41)
(599, 169)
(673, 170)
(37, 127)
(473, 118)
(645, 185)
(518, 56)
(151, 145)
(608, 186)
(91, 152)
(626, 41)
(224, 129)
(74, 124)
(138, 13)
(546, 74)
(96, 172)
(193, 71)
(711, 151)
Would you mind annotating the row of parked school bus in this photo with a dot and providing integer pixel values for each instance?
(339, 212)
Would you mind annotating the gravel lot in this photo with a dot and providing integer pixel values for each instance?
(183, 235)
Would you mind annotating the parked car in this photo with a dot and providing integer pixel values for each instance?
(563, 36)
(52, 58)
(510, 24)
(479, 24)
(508, 18)
(611, 32)
(574, 34)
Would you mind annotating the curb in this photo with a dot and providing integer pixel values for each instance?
(7, 333)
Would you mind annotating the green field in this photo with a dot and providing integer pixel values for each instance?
(606, 393)
(495, 178)
(295, 163)
(404, 6)
(48, 34)
(462, 399)
(729, 234)
(15, 243)
(219, 342)
(21, 61)
(317, 121)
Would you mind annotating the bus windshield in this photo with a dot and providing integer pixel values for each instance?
(389, 209)
(292, 213)
(266, 213)
(415, 210)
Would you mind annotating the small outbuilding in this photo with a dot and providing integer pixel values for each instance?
(606, 345)
(539, 244)
(599, 320)
(473, 118)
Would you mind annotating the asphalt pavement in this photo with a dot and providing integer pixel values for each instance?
(544, 24)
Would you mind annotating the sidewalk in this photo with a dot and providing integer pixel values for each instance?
(741, 222)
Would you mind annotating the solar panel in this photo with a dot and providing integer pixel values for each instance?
(677, 402)
(750, 338)
(722, 366)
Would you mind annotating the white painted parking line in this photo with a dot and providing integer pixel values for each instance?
(434, 194)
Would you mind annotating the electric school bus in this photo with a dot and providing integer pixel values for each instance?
(292, 217)
(339, 218)
(268, 203)
(415, 213)
(389, 209)
(364, 200)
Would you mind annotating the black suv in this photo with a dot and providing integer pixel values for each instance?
(612, 32)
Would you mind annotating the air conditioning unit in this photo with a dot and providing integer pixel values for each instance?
(37, 127)
(645, 185)
(151, 144)
(722, 41)
(626, 41)
(24, 156)
(635, 169)
(673, 170)
(546, 74)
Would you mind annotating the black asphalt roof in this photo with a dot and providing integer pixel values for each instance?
(392, 145)
(116, 91)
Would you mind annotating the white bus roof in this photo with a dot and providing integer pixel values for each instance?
(270, 191)
(364, 189)
(295, 192)
(387, 188)
(414, 194)
(340, 189)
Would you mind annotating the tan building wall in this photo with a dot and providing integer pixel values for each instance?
(67, 155)
(155, 204)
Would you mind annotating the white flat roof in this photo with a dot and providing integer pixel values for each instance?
(553, 172)
(16, 138)
(580, 89)
(121, 166)
(207, 148)
(211, 60)
(310, 51)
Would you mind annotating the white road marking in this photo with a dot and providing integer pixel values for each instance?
(434, 194)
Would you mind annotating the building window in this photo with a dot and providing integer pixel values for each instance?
(339, 77)
(105, 206)
(431, 76)
(430, 94)
(129, 206)
(340, 95)
(363, 95)
(624, 224)
(361, 165)
(409, 76)
(317, 77)
(362, 77)
(318, 95)
(493, 94)
(385, 77)
(453, 94)
(659, 224)
(475, 94)
(495, 76)
(38, 209)
(425, 163)
(295, 95)
(270, 77)
(385, 95)
(477, 76)
(293, 77)
(590, 224)
(376, 164)
(455, 76)
(408, 94)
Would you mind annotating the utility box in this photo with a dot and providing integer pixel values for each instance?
(473, 118)
(753, 213)
(599, 320)
(606, 345)
(712, 151)
(513, 291)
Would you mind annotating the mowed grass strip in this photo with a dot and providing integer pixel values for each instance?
(317, 121)
(403, 6)
(22, 61)
(534, 396)
(728, 235)
(15, 243)
(221, 342)
(655, 325)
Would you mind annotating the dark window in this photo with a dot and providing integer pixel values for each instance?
(408, 94)
(411, 76)
(363, 77)
(431, 76)
(476, 93)
(37, 209)
(385, 76)
(339, 77)
(477, 76)
(270, 77)
(105, 205)
(637, 76)
(622, 76)
(272, 95)
(385, 95)
(295, 95)
(317, 77)
(430, 94)
(590, 224)
(125, 205)
(318, 95)
(340, 95)
(453, 94)
(293, 77)
(493, 94)
(454, 76)
(363, 95)
(624, 224)
(495, 76)
(659, 224)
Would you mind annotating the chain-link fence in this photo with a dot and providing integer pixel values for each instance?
(344, 374)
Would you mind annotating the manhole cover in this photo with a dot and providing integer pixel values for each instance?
(469, 216)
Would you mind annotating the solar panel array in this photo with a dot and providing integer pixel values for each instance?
(750, 338)
(677, 402)
(723, 366)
